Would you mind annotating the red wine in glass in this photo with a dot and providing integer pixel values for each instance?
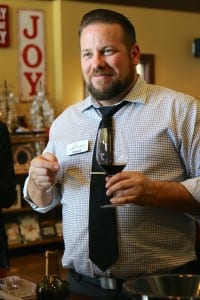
(112, 169)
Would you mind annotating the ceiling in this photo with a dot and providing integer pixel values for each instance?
(179, 5)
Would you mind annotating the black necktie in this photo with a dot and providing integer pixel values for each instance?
(103, 245)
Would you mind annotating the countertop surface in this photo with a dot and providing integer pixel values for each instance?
(7, 273)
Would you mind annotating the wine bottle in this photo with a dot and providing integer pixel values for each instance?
(52, 286)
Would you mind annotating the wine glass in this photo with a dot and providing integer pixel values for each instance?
(111, 152)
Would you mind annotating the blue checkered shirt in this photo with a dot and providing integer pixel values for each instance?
(162, 130)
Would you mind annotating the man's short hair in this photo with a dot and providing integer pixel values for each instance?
(109, 17)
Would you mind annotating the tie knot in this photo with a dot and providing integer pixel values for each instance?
(107, 112)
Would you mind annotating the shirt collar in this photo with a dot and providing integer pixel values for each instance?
(136, 95)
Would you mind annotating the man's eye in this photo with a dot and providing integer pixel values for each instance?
(86, 55)
(108, 51)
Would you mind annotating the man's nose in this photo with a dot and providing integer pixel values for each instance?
(98, 60)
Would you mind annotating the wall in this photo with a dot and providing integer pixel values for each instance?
(9, 56)
(167, 34)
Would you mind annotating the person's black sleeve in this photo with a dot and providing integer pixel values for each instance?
(7, 175)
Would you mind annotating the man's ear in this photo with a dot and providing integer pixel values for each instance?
(135, 53)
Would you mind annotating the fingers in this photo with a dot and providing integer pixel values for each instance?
(46, 160)
(117, 188)
(43, 171)
(118, 182)
(116, 200)
(50, 157)
(127, 187)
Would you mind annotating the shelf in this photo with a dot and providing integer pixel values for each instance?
(28, 137)
(36, 248)
(28, 230)
(16, 210)
(37, 243)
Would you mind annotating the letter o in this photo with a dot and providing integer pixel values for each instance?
(38, 56)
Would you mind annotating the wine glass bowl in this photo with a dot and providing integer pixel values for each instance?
(111, 152)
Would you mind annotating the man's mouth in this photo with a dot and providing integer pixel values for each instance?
(101, 73)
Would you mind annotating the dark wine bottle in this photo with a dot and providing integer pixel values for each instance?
(52, 286)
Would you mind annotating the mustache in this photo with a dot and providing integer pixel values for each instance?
(100, 72)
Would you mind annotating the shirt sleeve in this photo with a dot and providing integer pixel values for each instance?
(190, 149)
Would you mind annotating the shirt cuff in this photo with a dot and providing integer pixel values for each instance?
(45, 209)
(193, 187)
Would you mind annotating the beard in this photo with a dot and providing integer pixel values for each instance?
(114, 90)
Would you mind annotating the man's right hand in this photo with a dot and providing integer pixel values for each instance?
(43, 171)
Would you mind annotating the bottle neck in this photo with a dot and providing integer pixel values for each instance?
(52, 263)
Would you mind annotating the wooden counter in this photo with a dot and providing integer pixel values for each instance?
(5, 273)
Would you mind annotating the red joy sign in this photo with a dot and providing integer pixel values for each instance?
(4, 30)
(31, 53)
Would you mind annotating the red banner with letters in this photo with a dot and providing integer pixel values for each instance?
(4, 26)
(31, 53)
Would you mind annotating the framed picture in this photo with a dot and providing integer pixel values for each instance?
(31, 52)
(146, 67)
(47, 229)
(4, 26)
(29, 227)
(13, 233)
(24, 148)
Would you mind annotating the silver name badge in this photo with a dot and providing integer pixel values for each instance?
(77, 147)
